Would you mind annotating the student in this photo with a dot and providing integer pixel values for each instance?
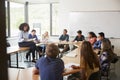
(79, 37)
(45, 37)
(89, 62)
(64, 37)
(92, 38)
(50, 67)
(105, 56)
(97, 44)
(24, 40)
(33, 36)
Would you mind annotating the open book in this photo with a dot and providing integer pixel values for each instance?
(71, 54)
(68, 66)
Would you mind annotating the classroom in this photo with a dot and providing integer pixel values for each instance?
(59, 39)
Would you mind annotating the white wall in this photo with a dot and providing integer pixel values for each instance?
(67, 6)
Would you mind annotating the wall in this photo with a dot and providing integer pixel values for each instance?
(116, 43)
(67, 6)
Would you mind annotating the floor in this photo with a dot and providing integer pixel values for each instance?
(114, 73)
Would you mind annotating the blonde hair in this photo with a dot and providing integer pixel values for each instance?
(52, 50)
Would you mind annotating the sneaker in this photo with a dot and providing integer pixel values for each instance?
(33, 61)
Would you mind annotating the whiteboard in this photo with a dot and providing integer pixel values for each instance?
(107, 22)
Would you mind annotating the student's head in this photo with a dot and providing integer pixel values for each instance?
(46, 33)
(106, 45)
(101, 36)
(24, 27)
(33, 32)
(91, 35)
(79, 33)
(88, 55)
(65, 31)
(52, 50)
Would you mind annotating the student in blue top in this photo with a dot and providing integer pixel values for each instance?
(50, 67)
(97, 44)
(33, 36)
(64, 38)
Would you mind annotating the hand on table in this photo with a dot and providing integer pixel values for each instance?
(75, 67)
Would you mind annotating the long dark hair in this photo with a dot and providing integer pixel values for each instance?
(106, 47)
(89, 56)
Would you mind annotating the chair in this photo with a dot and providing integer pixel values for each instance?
(94, 76)
(105, 73)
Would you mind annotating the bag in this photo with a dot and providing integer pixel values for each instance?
(94, 76)
(75, 76)
(114, 58)
(8, 44)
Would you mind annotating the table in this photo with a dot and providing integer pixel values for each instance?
(26, 74)
(62, 42)
(15, 50)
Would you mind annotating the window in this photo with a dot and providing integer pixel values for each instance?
(55, 28)
(40, 14)
(16, 17)
(6, 7)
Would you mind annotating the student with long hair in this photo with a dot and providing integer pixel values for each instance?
(105, 56)
(24, 40)
(89, 62)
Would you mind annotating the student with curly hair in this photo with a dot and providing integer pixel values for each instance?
(24, 40)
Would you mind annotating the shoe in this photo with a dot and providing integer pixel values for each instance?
(26, 60)
(33, 61)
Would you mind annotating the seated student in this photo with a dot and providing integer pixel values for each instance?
(45, 37)
(89, 62)
(97, 44)
(79, 37)
(24, 40)
(64, 37)
(105, 56)
(33, 36)
(92, 38)
(50, 67)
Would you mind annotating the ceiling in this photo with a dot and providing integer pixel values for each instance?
(35, 1)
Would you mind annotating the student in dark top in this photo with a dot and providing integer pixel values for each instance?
(50, 67)
(24, 40)
(97, 44)
(64, 38)
(79, 37)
